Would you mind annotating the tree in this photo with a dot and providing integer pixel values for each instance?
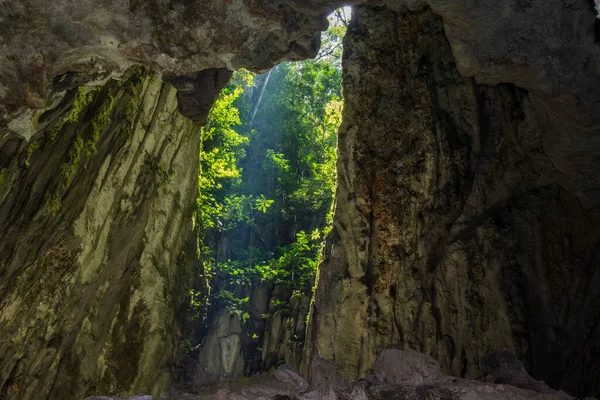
(268, 174)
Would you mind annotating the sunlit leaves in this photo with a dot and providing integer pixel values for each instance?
(222, 147)
(263, 204)
(331, 40)
(268, 174)
(291, 266)
(276, 162)
(333, 115)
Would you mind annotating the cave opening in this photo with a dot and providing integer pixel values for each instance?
(267, 184)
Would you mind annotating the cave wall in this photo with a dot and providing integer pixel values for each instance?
(98, 179)
(99, 39)
(458, 229)
(94, 212)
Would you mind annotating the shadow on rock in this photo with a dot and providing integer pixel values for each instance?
(396, 375)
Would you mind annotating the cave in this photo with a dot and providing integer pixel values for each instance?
(466, 233)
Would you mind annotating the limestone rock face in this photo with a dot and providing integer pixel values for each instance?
(550, 49)
(458, 228)
(92, 40)
(284, 334)
(92, 214)
(221, 355)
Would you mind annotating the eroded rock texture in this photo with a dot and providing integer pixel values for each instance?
(94, 211)
(92, 40)
(463, 222)
(97, 187)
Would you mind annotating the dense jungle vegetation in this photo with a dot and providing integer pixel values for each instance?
(267, 176)
(267, 182)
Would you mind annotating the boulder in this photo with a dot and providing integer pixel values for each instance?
(394, 366)
(325, 378)
(287, 374)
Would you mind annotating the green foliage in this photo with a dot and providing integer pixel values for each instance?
(262, 204)
(268, 177)
(276, 163)
(195, 299)
(221, 148)
(31, 148)
(1, 176)
(331, 47)
(293, 142)
(99, 123)
(187, 348)
(292, 265)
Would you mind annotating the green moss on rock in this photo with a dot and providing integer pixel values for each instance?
(53, 201)
(163, 173)
(137, 75)
(69, 168)
(82, 99)
(100, 122)
(116, 341)
(33, 146)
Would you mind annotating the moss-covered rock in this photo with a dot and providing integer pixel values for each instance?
(91, 233)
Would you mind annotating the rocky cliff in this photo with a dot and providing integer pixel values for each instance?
(463, 224)
(94, 210)
(235, 345)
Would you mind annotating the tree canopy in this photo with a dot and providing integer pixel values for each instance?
(268, 176)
